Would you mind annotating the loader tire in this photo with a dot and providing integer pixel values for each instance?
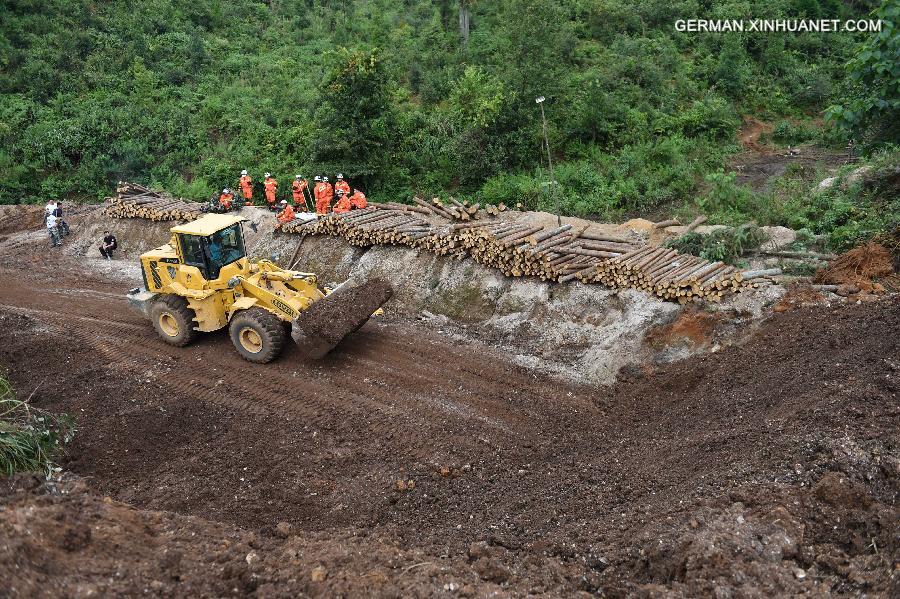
(257, 334)
(173, 320)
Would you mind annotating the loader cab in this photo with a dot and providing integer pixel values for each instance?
(210, 244)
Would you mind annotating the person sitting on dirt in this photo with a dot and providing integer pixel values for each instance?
(286, 215)
(52, 230)
(341, 184)
(343, 204)
(246, 183)
(108, 245)
(271, 186)
(226, 199)
(358, 199)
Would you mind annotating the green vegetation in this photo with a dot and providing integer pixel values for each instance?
(722, 245)
(30, 438)
(862, 201)
(404, 100)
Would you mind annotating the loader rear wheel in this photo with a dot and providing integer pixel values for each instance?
(173, 320)
(257, 334)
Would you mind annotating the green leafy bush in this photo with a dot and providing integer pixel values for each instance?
(722, 245)
(30, 438)
(786, 132)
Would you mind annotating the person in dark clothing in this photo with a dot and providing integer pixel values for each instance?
(60, 222)
(108, 245)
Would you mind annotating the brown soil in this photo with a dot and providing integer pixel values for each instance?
(766, 469)
(861, 267)
(750, 132)
(321, 327)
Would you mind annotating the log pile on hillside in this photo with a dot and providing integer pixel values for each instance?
(136, 201)
(562, 253)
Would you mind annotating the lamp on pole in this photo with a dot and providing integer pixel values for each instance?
(540, 102)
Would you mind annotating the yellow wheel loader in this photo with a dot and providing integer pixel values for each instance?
(202, 281)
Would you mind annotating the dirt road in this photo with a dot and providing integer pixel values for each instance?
(521, 483)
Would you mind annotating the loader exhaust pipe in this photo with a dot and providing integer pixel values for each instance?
(343, 311)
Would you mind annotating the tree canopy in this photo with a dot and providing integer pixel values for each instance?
(409, 97)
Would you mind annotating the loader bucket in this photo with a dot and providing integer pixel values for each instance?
(324, 324)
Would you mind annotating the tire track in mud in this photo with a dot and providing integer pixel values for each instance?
(379, 380)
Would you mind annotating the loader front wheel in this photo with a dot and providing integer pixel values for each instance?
(257, 334)
(173, 320)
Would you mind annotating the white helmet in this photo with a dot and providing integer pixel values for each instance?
(298, 176)
(317, 178)
(340, 192)
(324, 178)
(340, 176)
(226, 190)
(268, 175)
(284, 201)
(244, 172)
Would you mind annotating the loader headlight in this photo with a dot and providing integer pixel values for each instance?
(233, 282)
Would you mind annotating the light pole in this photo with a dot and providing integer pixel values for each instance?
(540, 102)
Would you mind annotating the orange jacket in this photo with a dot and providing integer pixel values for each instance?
(318, 191)
(297, 188)
(286, 215)
(225, 200)
(271, 186)
(246, 184)
(358, 199)
(343, 205)
(342, 185)
(323, 205)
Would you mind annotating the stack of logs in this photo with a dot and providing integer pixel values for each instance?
(560, 254)
(136, 201)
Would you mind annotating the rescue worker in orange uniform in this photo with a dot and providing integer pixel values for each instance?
(286, 215)
(298, 191)
(226, 199)
(324, 194)
(246, 183)
(271, 186)
(358, 199)
(343, 203)
(340, 184)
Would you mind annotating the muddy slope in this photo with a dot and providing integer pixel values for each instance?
(677, 479)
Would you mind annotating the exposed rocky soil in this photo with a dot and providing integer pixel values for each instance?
(407, 463)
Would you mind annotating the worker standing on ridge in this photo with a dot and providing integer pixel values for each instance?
(54, 208)
(329, 189)
(358, 199)
(323, 196)
(52, 231)
(343, 203)
(341, 184)
(226, 199)
(246, 183)
(271, 186)
(286, 215)
(298, 190)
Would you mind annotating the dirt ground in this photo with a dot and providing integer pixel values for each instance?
(408, 464)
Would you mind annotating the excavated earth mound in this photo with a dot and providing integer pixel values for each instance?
(765, 469)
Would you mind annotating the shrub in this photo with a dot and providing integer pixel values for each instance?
(722, 245)
(30, 438)
(788, 133)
